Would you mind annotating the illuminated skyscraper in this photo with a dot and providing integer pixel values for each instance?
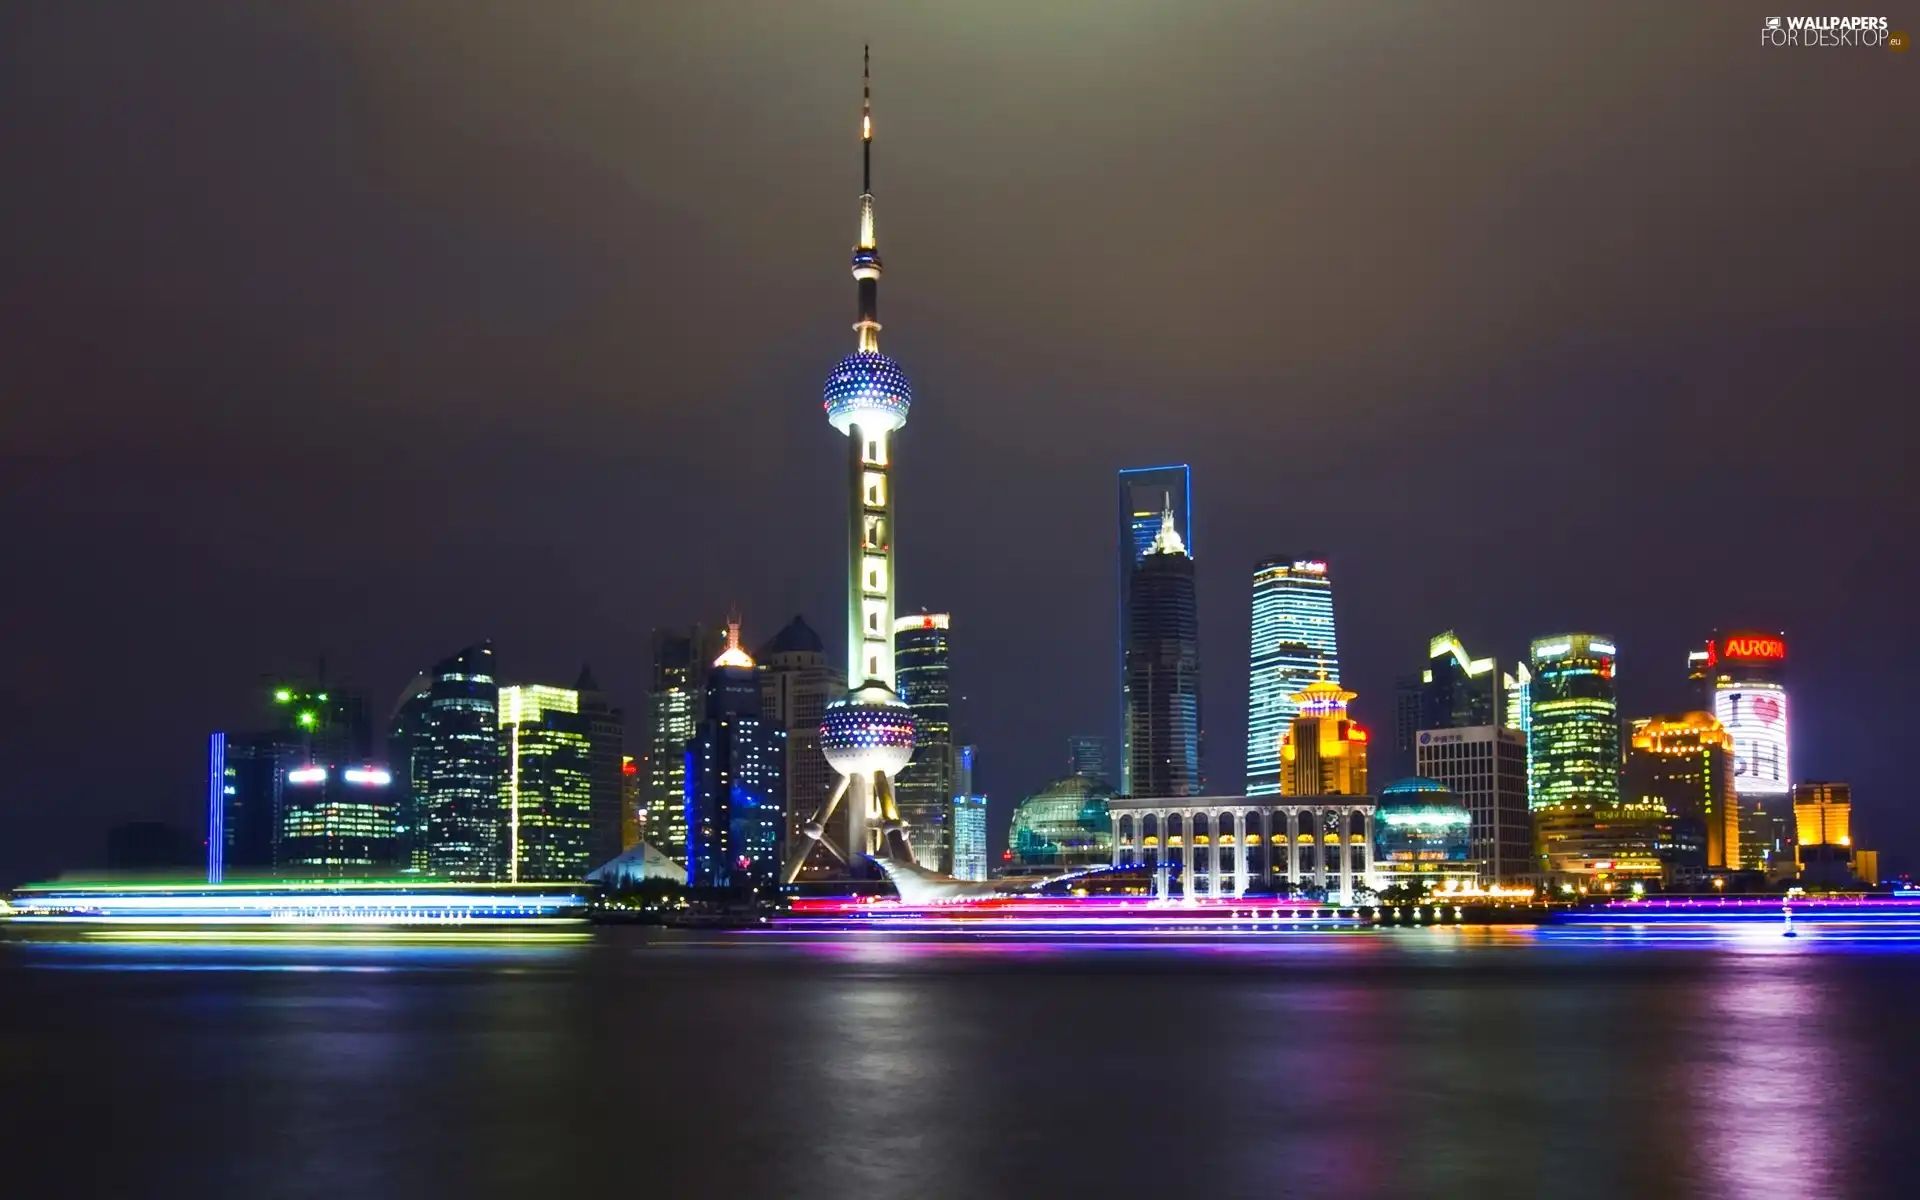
(406, 740)
(969, 821)
(1454, 691)
(547, 785)
(1145, 494)
(926, 788)
(1742, 677)
(868, 735)
(1683, 763)
(633, 809)
(1576, 723)
(1293, 645)
(796, 685)
(1519, 712)
(1823, 821)
(1325, 751)
(736, 818)
(674, 704)
(1163, 669)
(607, 735)
(463, 768)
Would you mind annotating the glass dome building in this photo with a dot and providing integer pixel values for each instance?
(1422, 837)
(1064, 824)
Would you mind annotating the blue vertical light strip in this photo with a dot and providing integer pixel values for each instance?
(216, 807)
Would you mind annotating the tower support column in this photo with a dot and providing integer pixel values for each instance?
(1239, 852)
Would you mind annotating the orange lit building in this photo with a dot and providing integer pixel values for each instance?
(1684, 763)
(1324, 752)
(1823, 823)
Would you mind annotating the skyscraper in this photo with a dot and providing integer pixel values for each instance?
(674, 704)
(633, 809)
(246, 775)
(606, 739)
(1293, 645)
(925, 791)
(969, 821)
(1742, 678)
(465, 833)
(736, 823)
(1683, 764)
(1163, 669)
(1485, 767)
(1087, 756)
(1576, 722)
(1325, 750)
(796, 684)
(868, 735)
(1823, 820)
(1145, 494)
(547, 796)
(407, 730)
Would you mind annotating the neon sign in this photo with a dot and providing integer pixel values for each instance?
(1751, 646)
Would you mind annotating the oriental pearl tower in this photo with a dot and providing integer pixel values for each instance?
(867, 735)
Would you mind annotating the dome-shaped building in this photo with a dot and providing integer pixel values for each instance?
(1422, 837)
(1064, 824)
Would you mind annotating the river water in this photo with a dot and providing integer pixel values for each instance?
(1437, 1062)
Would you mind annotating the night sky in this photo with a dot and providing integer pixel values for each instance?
(370, 330)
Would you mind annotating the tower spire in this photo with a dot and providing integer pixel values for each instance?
(866, 252)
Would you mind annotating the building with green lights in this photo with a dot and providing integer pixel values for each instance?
(1422, 838)
(1575, 739)
(546, 784)
(1065, 824)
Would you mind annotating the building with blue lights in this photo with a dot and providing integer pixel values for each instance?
(1065, 824)
(1146, 493)
(1293, 646)
(736, 795)
(674, 704)
(969, 821)
(1421, 837)
(1163, 670)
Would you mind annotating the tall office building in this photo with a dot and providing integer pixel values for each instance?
(1823, 823)
(246, 775)
(1454, 691)
(797, 682)
(1742, 680)
(925, 789)
(606, 739)
(1519, 712)
(406, 738)
(463, 768)
(1163, 670)
(1293, 645)
(1576, 722)
(969, 821)
(1682, 763)
(1325, 751)
(674, 703)
(1485, 768)
(1146, 493)
(736, 818)
(547, 787)
(1087, 756)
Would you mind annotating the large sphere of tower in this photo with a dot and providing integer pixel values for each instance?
(868, 389)
(870, 729)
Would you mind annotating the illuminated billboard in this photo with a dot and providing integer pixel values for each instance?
(1747, 647)
(1755, 714)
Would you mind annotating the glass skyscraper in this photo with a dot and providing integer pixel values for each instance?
(674, 704)
(547, 786)
(736, 799)
(924, 792)
(1145, 493)
(1163, 671)
(796, 685)
(607, 735)
(1293, 642)
(1575, 738)
(462, 769)
(969, 821)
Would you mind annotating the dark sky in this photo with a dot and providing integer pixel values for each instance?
(373, 329)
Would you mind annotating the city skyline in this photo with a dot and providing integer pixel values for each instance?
(1641, 380)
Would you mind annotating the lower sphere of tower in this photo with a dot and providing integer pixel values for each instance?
(868, 730)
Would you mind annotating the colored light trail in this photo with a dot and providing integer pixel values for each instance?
(238, 906)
